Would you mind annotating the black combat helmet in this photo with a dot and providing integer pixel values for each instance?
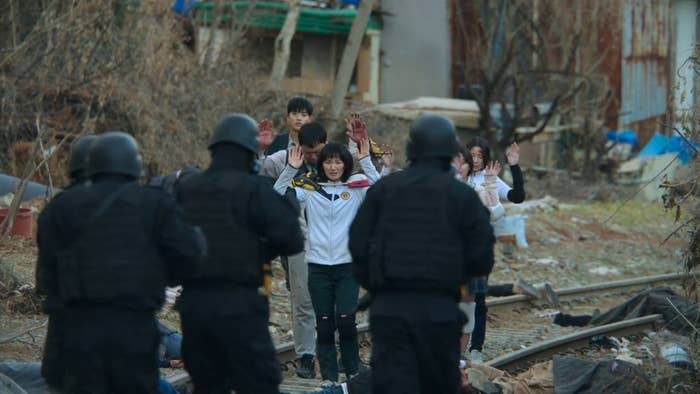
(432, 135)
(78, 156)
(238, 129)
(114, 152)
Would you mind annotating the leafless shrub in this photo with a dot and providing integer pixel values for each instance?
(92, 66)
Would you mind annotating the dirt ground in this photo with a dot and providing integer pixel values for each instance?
(571, 242)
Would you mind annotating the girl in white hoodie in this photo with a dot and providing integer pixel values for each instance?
(330, 207)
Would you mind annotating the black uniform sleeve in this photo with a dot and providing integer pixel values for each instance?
(477, 233)
(46, 262)
(361, 230)
(277, 220)
(517, 193)
(180, 245)
(279, 143)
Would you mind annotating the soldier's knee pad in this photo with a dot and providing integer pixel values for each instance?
(346, 326)
(325, 329)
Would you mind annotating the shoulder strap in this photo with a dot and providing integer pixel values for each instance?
(99, 211)
(106, 203)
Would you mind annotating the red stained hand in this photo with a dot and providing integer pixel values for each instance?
(265, 133)
(356, 128)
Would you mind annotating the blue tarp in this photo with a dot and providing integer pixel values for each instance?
(623, 137)
(183, 7)
(660, 144)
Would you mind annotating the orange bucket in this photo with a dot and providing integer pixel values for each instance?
(23, 222)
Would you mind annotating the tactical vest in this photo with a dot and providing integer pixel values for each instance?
(420, 248)
(114, 260)
(218, 202)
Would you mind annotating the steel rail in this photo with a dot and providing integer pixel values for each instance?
(589, 290)
(285, 351)
(572, 341)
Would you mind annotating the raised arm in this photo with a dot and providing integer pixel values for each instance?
(366, 162)
(284, 182)
(517, 193)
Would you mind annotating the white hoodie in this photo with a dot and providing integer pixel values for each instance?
(329, 213)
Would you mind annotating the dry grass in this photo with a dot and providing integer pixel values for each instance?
(85, 66)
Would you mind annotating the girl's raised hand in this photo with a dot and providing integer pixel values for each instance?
(513, 154)
(493, 168)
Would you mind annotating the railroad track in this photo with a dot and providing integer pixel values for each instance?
(286, 355)
(606, 288)
(574, 340)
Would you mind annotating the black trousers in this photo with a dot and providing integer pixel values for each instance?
(413, 356)
(51, 362)
(109, 350)
(236, 352)
(479, 333)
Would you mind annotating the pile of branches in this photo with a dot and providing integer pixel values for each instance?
(69, 67)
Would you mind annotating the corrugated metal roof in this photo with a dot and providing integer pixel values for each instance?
(646, 33)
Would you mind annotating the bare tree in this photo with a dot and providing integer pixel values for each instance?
(531, 66)
(283, 43)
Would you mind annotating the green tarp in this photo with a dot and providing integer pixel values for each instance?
(271, 15)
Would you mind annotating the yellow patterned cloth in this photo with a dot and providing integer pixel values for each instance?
(306, 181)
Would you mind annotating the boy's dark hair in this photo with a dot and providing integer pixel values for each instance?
(332, 150)
(298, 104)
(312, 134)
(485, 150)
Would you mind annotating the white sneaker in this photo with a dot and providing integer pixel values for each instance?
(476, 357)
(328, 384)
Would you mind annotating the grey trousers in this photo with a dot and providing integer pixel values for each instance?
(303, 317)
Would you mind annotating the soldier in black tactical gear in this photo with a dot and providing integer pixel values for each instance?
(51, 364)
(418, 236)
(78, 159)
(226, 343)
(107, 248)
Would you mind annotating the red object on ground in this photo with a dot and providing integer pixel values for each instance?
(23, 222)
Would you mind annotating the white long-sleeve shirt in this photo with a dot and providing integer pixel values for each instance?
(479, 179)
(329, 213)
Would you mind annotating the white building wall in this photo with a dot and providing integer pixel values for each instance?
(415, 47)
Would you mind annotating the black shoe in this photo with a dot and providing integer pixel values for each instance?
(306, 368)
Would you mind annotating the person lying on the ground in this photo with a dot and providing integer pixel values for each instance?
(27, 376)
(677, 311)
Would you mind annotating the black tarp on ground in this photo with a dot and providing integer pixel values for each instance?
(654, 301)
(572, 375)
(651, 302)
